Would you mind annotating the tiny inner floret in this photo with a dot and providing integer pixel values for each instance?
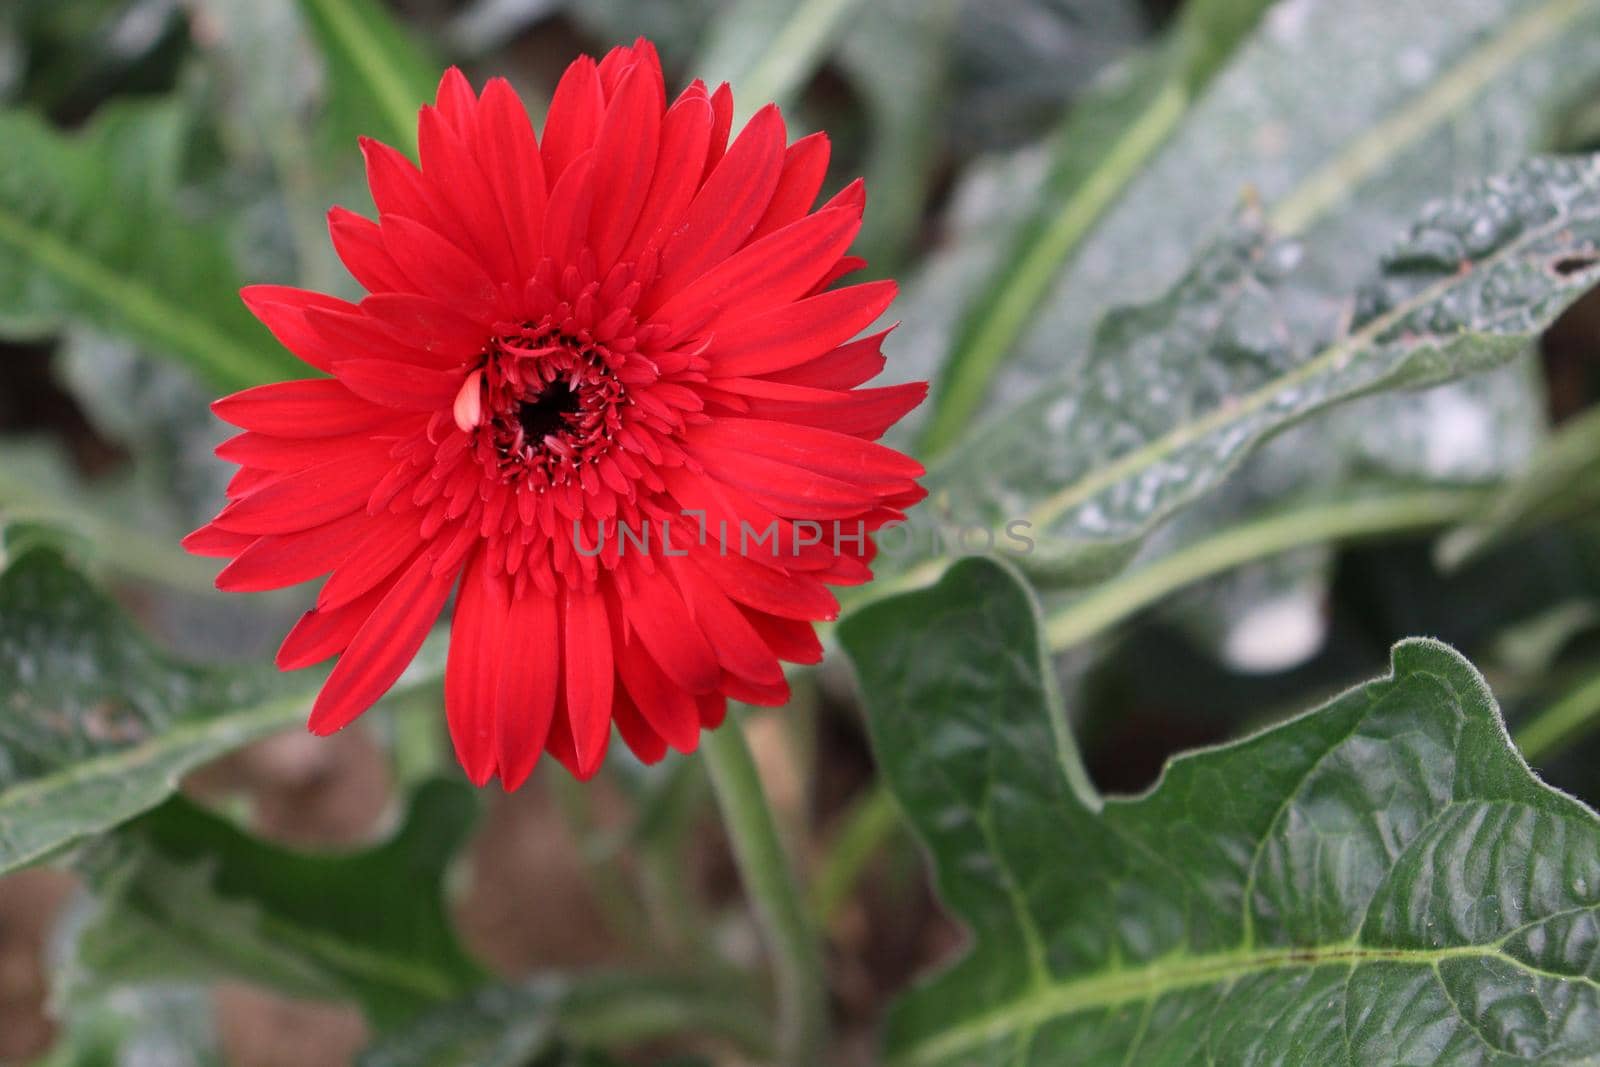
(548, 405)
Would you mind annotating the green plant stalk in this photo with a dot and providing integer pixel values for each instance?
(793, 54)
(870, 821)
(1135, 590)
(769, 880)
(389, 88)
(150, 316)
(1006, 318)
(590, 1016)
(1575, 713)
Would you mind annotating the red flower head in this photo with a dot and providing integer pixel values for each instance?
(602, 389)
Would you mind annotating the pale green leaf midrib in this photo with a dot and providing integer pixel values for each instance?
(1447, 95)
(178, 744)
(151, 314)
(1175, 974)
(1058, 503)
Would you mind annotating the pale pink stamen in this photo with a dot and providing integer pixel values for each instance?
(469, 402)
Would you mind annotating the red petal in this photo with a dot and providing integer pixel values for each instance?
(738, 646)
(359, 243)
(510, 155)
(396, 184)
(529, 677)
(288, 559)
(427, 325)
(221, 544)
(797, 333)
(865, 413)
(722, 110)
(726, 209)
(825, 451)
(472, 674)
(645, 743)
(787, 596)
(388, 541)
(805, 165)
(566, 220)
(657, 613)
(457, 102)
(383, 648)
(457, 182)
(400, 385)
(669, 712)
(439, 268)
(282, 309)
(321, 634)
(314, 407)
(774, 270)
(590, 676)
(303, 499)
(573, 123)
(843, 368)
(626, 148)
(792, 639)
(685, 132)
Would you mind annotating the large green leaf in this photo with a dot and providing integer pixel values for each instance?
(1380, 881)
(185, 895)
(1180, 391)
(91, 231)
(100, 725)
(1428, 94)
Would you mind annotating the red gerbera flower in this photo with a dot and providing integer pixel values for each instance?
(602, 389)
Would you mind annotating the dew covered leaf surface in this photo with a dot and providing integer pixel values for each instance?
(99, 725)
(1180, 391)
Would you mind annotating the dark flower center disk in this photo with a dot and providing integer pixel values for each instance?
(548, 412)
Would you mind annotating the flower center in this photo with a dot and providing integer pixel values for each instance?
(543, 406)
(547, 413)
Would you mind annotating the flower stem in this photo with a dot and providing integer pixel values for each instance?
(770, 883)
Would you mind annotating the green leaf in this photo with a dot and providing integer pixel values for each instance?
(1561, 483)
(1422, 101)
(375, 69)
(509, 1025)
(185, 895)
(90, 231)
(99, 725)
(1380, 881)
(1179, 392)
(1106, 139)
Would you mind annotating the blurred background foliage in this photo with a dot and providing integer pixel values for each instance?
(1033, 165)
